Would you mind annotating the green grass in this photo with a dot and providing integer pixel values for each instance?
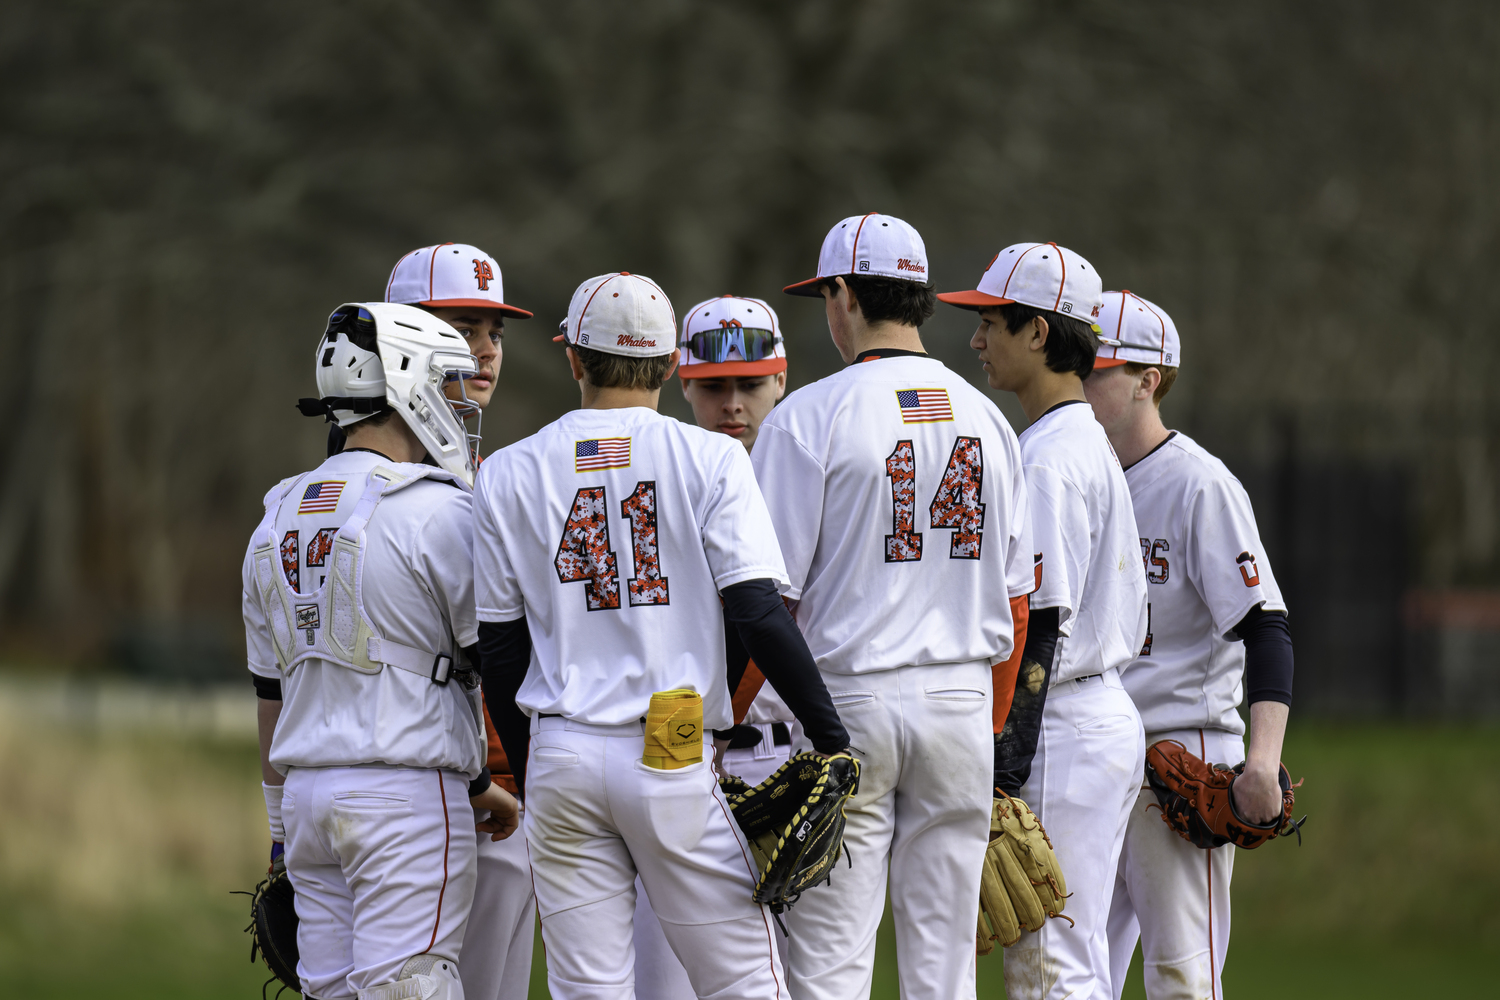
(117, 855)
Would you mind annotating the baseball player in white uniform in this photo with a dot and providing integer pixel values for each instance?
(1037, 303)
(360, 629)
(462, 285)
(896, 492)
(733, 370)
(615, 666)
(1217, 636)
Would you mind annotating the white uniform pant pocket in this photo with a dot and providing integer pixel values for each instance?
(925, 741)
(591, 826)
(382, 859)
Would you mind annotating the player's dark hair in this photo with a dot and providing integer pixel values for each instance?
(892, 299)
(616, 371)
(1071, 343)
(379, 419)
(1168, 375)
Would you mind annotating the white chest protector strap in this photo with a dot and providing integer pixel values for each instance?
(330, 623)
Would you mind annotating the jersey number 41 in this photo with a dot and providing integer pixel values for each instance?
(584, 554)
(956, 504)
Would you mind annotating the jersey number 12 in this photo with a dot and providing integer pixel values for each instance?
(584, 554)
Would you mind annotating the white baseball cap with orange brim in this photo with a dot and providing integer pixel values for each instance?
(620, 313)
(1136, 330)
(871, 245)
(450, 274)
(732, 335)
(1041, 275)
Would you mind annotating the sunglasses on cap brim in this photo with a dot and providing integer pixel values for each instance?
(714, 346)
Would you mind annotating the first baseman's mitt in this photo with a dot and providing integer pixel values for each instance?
(1022, 884)
(1195, 799)
(794, 821)
(273, 926)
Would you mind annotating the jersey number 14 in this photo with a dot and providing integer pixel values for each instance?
(956, 504)
(584, 554)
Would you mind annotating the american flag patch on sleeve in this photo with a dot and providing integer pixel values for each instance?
(924, 406)
(601, 453)
(321, 498)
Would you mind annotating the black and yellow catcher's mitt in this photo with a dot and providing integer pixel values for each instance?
(273, 927)
(794, 821)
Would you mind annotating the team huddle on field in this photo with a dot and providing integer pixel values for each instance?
(568, 682)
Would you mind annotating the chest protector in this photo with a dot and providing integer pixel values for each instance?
(330, 623)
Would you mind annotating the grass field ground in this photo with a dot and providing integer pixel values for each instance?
(119, 849)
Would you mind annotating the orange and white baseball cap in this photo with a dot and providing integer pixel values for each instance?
(449, 274)
(731, 335)
(1136, 330)
(621, 313)
(1040, 275)
(881, 246)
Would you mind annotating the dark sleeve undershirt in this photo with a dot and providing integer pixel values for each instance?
(772, 639)
(1268, 656)
(736, 659)
(266, 688)
(504, 657)
(1015, 746)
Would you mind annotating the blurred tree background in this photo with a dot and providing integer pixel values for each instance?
(1310, 190)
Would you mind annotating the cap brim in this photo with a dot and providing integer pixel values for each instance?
(1110, 362)
(499, 307)
(727, 369)
(811, 288)
(972, 299)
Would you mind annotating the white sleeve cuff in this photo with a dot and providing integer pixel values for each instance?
(273, 811)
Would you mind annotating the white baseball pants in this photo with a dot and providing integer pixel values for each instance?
(658, 973)
(496, 962)
(595, 818)
(922, 818)
(382, 859)
(1171, 895)
(1084, 781)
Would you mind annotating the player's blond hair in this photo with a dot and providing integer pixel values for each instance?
(1135, 369)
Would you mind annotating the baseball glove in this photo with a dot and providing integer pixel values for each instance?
(794, 821)
(1195, 799)
(273, 926)
(1022, 884)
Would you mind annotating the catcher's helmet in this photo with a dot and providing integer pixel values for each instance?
(379, 355)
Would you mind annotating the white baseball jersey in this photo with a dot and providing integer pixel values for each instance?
(612, 532)
(417, 589)
(1205, 569)
(1083, 530)
(896, 491)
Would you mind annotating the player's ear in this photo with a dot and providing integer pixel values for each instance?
(780, 384)
(676, 356)
(574, 365)
(1145, 386)
(1037, 338)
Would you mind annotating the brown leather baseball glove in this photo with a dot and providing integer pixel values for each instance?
(1196, 802)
